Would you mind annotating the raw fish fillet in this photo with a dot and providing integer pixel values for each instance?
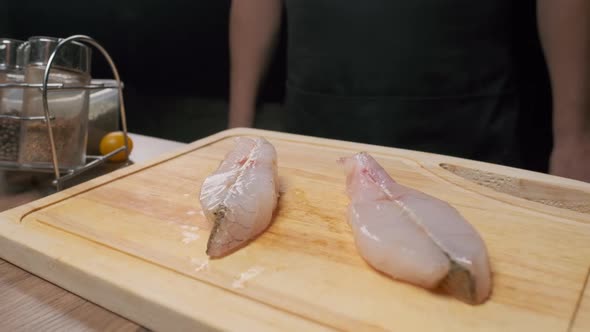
(412, 236)
(240, 197)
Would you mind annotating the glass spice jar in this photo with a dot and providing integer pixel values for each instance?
(10, 99)
(69, 106)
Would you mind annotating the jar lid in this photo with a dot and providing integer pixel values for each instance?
(73, 55)
(8, 53)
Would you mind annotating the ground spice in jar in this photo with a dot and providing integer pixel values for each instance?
(9, 137)
(69, 106)
(10, 98)
(36, 147)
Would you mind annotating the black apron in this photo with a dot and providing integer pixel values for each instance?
(426, 75)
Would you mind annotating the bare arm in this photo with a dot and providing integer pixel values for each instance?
(564, 27)
(254, 26)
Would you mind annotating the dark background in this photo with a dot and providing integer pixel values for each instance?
(173, 57)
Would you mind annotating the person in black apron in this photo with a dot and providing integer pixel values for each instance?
(425, 75)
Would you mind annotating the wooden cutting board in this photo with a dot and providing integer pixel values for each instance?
(134, 242)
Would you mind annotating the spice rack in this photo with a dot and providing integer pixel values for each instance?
(63, 174)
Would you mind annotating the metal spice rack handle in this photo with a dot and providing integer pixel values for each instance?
(47, 117)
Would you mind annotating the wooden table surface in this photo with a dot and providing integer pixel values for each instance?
(29, 303)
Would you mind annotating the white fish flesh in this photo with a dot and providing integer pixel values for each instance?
(412, 236)
(240, 197)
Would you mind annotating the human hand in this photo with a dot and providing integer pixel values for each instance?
(571, 159)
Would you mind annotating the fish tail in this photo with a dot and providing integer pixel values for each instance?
(213, 243)
(460, 283)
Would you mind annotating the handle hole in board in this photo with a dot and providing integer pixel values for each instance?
(535, 191)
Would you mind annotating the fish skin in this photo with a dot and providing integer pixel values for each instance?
(240, 196)
(412, 236)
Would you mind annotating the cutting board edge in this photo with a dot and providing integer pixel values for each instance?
(581, 318)
(40, 250)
